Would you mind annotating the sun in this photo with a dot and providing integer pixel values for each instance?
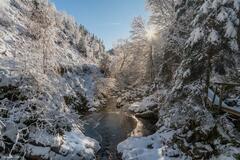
(150, 33)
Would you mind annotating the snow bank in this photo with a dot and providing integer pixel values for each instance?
(76, 143)
(153, 147)
(72, 145)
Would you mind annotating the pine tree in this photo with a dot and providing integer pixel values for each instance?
(215, 34)
(81, 46)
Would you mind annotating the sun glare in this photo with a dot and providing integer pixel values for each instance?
(150, 33)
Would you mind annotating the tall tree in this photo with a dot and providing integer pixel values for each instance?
(162, 11)
(141, 37)
(215, 30)
(42, 27)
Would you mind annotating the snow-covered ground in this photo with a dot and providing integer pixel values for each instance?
(154, 147)
(72, 145)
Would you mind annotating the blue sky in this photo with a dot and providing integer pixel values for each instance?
(110, 20)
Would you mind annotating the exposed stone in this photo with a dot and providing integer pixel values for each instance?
(147, 115)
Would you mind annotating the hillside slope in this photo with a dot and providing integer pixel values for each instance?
(47, 77)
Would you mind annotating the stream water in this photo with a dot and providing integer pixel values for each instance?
(111, 128)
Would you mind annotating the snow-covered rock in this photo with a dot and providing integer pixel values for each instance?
(148, 103)
(76, 144)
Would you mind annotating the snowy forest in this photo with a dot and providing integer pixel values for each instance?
(170, 91)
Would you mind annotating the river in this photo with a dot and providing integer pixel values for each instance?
(110, 128)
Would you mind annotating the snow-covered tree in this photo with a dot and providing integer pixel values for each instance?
(216, 24)
(138, 32)
(81, 46)
(215, 35)
(162, 12)
(142, 37)
(43, 21)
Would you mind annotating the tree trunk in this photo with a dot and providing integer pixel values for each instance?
(151, 63)
(122, 64)
(44, 52)
(208, 75)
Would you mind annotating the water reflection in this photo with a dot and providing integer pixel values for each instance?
(111, 128)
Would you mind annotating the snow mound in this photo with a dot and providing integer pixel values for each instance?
(72, 145)
(153, 147)
(76, 143)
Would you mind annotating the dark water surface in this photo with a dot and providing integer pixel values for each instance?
(109, 129)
